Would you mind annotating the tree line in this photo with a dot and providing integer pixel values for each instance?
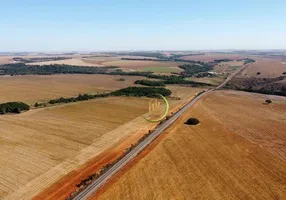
(177, 80)
(150, 83)
(38, 59)
(23, 69)
(129, 91)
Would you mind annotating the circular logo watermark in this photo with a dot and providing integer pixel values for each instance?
(158, 110)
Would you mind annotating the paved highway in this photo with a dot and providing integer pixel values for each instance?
(128, 157)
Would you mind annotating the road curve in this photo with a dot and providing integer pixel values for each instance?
(129, 156)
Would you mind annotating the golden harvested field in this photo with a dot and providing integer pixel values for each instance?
(8, 59)
(238, 151)
(89, 60)
(208, 57)
(268, 68)
(74, 61)
(101, 59)
(140, 65)
(131, 132)
(40, 146)
(41, 88)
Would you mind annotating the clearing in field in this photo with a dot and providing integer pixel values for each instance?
(35, 88)
(145, 65)
(209, 57)
(217, 80)
(236, 152)
(268, 68)
(228, 67)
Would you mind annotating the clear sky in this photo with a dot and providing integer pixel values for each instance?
(94, 25)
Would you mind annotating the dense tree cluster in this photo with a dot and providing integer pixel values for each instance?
(268, 101)
(181, 81)
(144, 54)
(142, 91)
(272, 86)
(177, 80)
(204, 74)
(13, 107)
(192, 121)
(135, 73)
(150, 83)
(22, 69)
(281, 92)
(248, 61)
(192, 69)
(143, 59)
(223, 60)
(38, 59)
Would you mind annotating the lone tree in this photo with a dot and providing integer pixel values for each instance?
(192, 121)
(268, 101)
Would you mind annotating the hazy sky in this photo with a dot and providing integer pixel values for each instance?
(93, 25)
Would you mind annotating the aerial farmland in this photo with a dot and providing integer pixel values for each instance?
(197, 162)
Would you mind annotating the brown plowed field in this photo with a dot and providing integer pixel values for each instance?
(268, 68)
(208, 57)
(5, 59)
(139, 65)
(100, 60)
(238, 151)
(41, 88)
